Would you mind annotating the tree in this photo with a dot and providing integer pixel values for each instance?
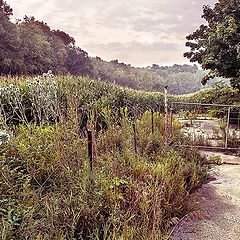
(216, 46)
(77, 62)
(10, 62)
(6, 9)
(61, 55)
(64, 37)
(39, 52)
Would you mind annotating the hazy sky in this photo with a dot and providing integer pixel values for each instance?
(139, 32)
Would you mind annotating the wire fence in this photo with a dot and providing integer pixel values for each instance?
(213, 126)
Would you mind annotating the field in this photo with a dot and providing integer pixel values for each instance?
(82, 159)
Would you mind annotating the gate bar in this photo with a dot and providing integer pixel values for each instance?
(207, 104)
(205, 147)
(227, 127)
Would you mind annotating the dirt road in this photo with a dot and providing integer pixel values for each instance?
(218, 206)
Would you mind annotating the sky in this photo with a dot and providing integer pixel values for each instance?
(137, 32)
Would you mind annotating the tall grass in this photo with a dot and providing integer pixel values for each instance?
(48, 190)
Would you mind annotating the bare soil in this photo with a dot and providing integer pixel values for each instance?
(217, 214)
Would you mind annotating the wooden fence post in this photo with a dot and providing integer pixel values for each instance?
(90, 148)
(166, 115)
(135, 137)
(227, 127)
(152, 121)
(171, 121)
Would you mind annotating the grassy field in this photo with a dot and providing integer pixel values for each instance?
(138, 186)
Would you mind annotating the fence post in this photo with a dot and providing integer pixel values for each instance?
(166, 115)
(227, 127)
(171, 120)
(152, 121)
(90, 148)
(135, 137)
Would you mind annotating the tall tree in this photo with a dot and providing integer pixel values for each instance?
(42, 50)
(216, 46)
(9, 42)
(78, 62)
(6, 9)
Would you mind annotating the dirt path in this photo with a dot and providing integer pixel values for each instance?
(218, 204)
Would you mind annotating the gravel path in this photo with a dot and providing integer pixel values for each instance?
(218, 204)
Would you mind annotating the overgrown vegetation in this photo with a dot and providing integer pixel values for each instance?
(45, 100)
(137, 185)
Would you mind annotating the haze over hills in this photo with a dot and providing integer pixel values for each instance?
(31, 47)
(180, 79)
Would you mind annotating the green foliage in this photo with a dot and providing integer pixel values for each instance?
(218, 95)
(45, 100)
(30, 47)
(47, 188)
(52, 195)
(181, 79)
(216, 46)
(5, 8)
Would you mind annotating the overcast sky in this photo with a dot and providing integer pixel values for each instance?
(139, 32)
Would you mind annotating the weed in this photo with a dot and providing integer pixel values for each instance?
(48, 190)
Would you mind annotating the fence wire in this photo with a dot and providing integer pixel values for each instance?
(213, 126)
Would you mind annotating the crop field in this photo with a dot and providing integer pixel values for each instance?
(124, 182)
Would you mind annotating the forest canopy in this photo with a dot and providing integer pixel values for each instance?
(216, 46)
(31, 47)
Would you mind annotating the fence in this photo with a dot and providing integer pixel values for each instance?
(213, 126)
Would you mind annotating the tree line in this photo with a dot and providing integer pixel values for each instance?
(216, 45)
(31, 47)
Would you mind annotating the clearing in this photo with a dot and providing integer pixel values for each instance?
(217, 215)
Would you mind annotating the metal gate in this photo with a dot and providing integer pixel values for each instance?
(213, 126)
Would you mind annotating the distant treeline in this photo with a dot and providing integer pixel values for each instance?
(180, 79)
(31, 47)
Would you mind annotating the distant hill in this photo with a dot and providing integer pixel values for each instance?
(181, 79)
(31, 47)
